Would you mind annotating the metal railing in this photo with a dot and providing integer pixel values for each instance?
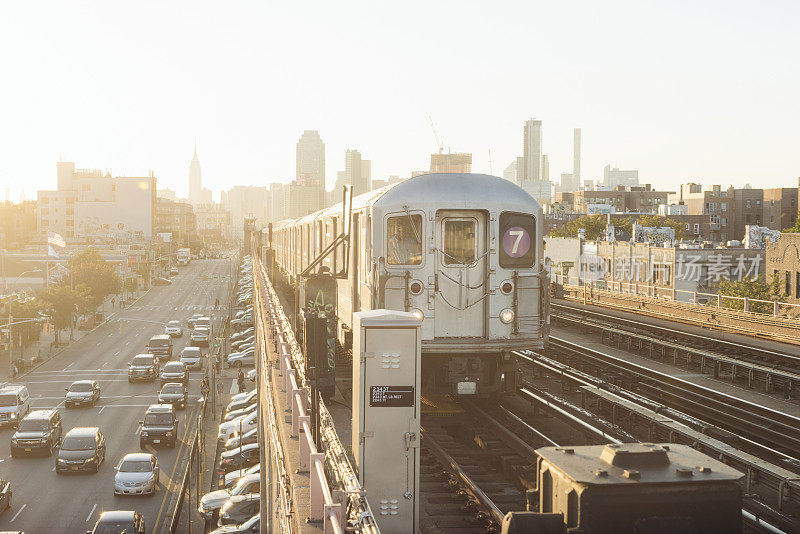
(768, 308)
(336, 497)
(193, 466)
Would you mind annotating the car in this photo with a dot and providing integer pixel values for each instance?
(243, 346)
(251, 375)
(161, 281)
(235, 426)
(5, 495)
(239, 508)
(234, 476)
(240, 457)
(39, 431)
(137, 474)
(251, 436)
(82, 393)
(192, 357)
(15, 403)
(244, 334)
(159, 426)
(244, 341)
(175, 372)
(249, 526)
(174, 393)
(83, 449)
(142, 368)
(246, 320)
(211, 502)
(174, 329)
(242, 401)
(193, 319)
(200, 336)
(230, 416)
(204, 320)
(173, 271)
(242, 359)
(119, 522)
(161, 346)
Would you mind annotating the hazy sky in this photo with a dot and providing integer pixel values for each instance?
(678, 90)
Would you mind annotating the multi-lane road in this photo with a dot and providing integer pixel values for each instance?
(46, 502)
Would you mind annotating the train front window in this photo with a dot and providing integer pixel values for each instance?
(404, 240)
(517, 241)
(459, 242)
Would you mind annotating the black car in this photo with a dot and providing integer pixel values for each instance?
(239, 458)
(83, 449)
(142, 368)
(82, 393)
(173, 393)
(119, 522)
(161, 346)
(5, 495)
(239, 508)
(175, 372)
(39, 431)
(159, 426)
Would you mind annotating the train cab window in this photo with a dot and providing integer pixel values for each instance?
(459, 242)
(517, 241)
(404, 240)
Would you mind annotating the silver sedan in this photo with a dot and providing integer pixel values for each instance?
(137, 474)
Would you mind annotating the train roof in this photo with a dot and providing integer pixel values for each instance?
(424, 189)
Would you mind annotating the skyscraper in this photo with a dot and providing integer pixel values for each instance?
(545, 168)
(311, 159)
(576, 157)
(195, 180)
(532, 150)
(354, 172)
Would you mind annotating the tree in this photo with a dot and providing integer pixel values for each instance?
(794, 229)
(758, 289)
(595, 226)
(61, 302)
(90, 269)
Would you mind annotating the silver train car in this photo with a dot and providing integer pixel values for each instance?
(462, 251)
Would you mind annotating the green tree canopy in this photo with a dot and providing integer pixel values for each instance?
(88, 268)
(758, 289)
(595, 225)
(794, 229)
(60, 302)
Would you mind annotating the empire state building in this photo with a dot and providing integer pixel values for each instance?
(196, 193)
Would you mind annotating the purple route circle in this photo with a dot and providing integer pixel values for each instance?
(516, 242)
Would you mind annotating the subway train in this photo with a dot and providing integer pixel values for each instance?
(464, 252)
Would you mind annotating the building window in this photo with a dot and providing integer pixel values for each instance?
(696, 228)
(724, 221)
(724, 206)
(714, 219)
(748, 204)
(758, 203)
(787, 283)
(797, 285)
(712, 207)
(45, 222)
(687, 227)
(45, 211)
(45, 200)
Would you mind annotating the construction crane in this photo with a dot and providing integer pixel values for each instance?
(438, 141)
(491, 171)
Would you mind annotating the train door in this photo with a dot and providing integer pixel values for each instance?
(461, 274)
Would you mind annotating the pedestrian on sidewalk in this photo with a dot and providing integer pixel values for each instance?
(240, 380)
(113, 303)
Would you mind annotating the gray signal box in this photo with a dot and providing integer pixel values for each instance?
(386, 415)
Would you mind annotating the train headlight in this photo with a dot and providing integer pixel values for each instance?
(416, 287)
(416, 312)
(507, 315)
(507, 287)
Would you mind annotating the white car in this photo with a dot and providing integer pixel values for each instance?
(251, 375)
(243, 396)
(234, 476)
(174, 329)
(192, 357)
(137, 474)
(232, 428)
(242, 359)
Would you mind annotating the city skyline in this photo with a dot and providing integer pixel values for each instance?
(676, 111)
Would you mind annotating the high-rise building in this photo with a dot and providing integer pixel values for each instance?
(246, 201)
(460, 162)
(532, 150)
(614, 177)
(354, 172)
(576, 157)
(310, 159)
(545, 168)
(195, 180)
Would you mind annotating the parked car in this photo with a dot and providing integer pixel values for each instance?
(251, 436)
(175, 372)
(240, 457)
(233, 427)
(211, 502)
(82, 393)
(234, 476)
(159, 426)
(142, 368)
(174, 393)
(251, 375)
(230, 416)
(119, 522)
(192, 357)
(137, 474)
(249, 526)
(241, 401)
(83, 448)
(5, 495)
(174, 329)
(39, 431)
(173, 271)
(239, 508)
(242, 359)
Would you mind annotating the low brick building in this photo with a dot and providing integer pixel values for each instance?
(783, 263)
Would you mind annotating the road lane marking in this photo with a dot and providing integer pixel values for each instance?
(53, 469)
(104, 364)
(88, 517)
(18, 512)
(101, 410)
(70, 365)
